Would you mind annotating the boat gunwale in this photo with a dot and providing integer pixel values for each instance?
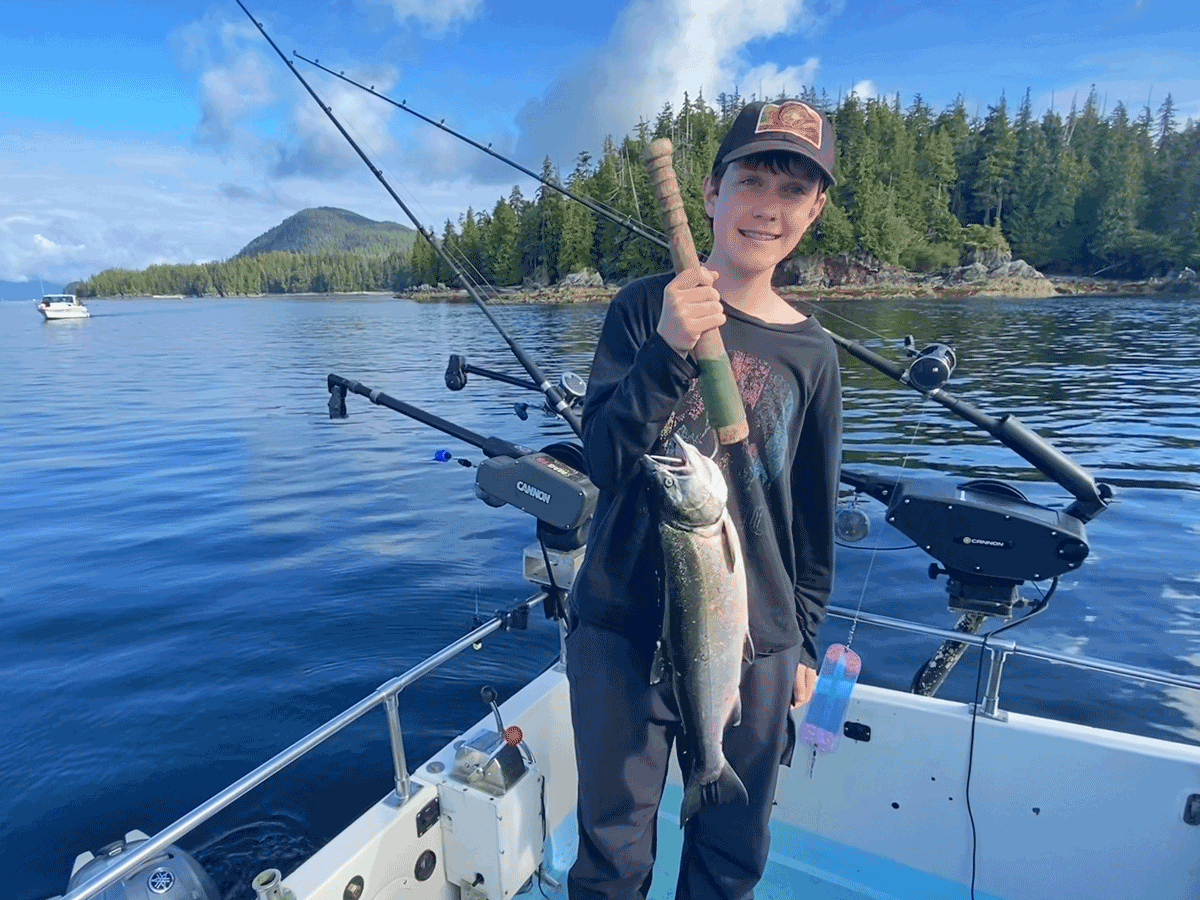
(388, 692)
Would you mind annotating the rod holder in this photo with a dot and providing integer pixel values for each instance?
(268, 885)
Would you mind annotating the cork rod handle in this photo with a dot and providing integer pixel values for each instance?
(722, 399)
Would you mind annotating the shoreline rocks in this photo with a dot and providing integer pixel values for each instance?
(983, 272)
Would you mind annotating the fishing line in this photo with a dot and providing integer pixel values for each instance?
(871, 563)
(858, 325)
(476, 277)
(554, 397)
(827, 707)
(596, 205)
(591, 203)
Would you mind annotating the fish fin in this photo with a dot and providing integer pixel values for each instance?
(735, 714)
(658, 667)
(748, 649)
(728, 788)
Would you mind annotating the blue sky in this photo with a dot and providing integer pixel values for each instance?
(139, 132)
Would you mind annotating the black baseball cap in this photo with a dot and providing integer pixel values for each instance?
(789, 125)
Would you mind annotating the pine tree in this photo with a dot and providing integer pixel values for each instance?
(997, 150)
(549, 218)
(501, 243)
(1166, 123)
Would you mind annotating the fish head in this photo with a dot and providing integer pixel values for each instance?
(691, 486)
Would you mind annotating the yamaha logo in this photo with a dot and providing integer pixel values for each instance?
(160, 881)
(533, 492)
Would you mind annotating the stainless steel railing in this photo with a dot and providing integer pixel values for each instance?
(1001, 649)
(386, 694)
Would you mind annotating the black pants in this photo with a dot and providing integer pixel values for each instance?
(624, 730)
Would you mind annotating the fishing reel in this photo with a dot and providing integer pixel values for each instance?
(931, 368)
(571, 386)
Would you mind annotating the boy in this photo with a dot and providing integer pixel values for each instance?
(766, 188)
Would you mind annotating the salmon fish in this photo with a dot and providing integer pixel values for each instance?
(705, 634)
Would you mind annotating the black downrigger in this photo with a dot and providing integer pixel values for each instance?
(549, 484)
(987, 537)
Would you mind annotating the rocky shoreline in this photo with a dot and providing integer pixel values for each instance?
(983, 273)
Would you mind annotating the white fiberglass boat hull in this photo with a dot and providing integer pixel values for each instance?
(62, 306)
(1059, 810)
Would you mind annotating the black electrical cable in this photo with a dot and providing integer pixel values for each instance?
(1037, 608)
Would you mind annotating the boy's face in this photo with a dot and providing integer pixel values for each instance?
(759, 216)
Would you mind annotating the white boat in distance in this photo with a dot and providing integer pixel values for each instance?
(62, 306)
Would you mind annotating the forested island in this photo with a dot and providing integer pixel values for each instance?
(1085, 192)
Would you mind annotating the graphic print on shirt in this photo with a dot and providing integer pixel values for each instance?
(770, 405)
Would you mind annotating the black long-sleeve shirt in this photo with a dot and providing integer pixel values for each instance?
(640, 392)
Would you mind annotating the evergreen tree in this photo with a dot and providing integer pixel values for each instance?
(501, 244)
(997, 149)
(549, 209)
(1166, 122)
(1085, 193)
(578, 224)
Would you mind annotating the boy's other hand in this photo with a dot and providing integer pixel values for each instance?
(691, 306)
(806, 682)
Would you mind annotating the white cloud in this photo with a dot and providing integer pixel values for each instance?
(244, 94)
(865, 89)
(80, 204)
(435, 15)
(316, 147)
(230, 93)
(768, 80)
(1133, 77)
(658, 49)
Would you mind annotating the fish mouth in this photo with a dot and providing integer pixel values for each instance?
(677, 459)
(670, 463)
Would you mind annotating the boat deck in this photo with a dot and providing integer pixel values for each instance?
(801, 865)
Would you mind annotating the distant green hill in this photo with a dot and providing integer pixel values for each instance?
(330, 230)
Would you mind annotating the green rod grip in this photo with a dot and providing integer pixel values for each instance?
(722, 399)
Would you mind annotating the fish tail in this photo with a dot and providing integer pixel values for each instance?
(728, 788)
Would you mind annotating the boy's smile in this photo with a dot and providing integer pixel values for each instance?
(759, 217)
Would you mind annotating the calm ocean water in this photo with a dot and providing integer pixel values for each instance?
(199, 567)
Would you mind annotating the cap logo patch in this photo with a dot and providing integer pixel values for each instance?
(797, 119)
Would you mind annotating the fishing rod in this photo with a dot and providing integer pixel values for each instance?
(961, 526)
(554, 397)
(927, 374)
(972, 529)
(636, 227)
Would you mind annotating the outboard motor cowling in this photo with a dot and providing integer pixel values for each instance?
(172, 875)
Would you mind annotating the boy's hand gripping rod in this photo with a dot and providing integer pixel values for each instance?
(722, 399)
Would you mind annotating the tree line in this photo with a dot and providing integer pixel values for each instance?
(277, 272)
(1085, 192)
